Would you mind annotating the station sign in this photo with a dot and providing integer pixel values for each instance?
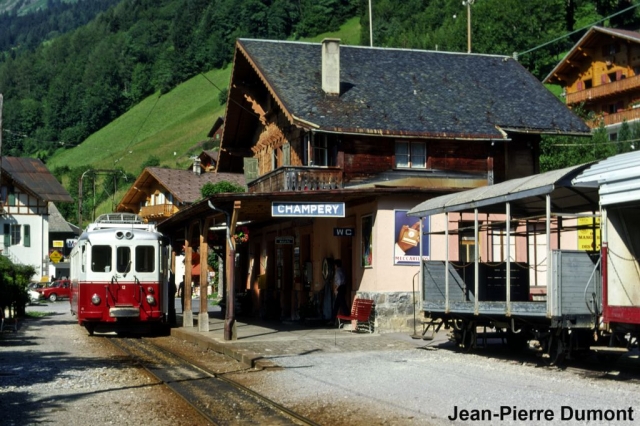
(285, 240)
(311, 209)
(344, 232)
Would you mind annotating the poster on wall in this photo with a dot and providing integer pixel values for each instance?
(367, 241)
(407, 239)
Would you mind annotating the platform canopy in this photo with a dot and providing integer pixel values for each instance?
(617, 178)
(527, 196)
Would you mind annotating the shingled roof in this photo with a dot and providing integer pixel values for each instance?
(407, 92)
(33, 177)
(184, 185)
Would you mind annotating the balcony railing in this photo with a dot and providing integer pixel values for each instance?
(292, 178)
(603, 90)
(159, 211)
(616, 117)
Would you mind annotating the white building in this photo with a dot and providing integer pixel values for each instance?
(26, 188)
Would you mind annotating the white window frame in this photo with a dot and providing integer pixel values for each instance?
(413, 158)
(16, 234)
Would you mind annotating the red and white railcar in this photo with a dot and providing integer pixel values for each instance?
(119, 275)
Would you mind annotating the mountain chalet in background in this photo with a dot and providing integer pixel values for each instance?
(602, 72)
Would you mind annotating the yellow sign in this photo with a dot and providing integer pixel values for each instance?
(585, 233)
(55, 256)
(58, 243)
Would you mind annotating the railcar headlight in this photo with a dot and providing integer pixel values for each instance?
(128, 235)
(119, 235)
(150, 290)
(95, 299)
(151, 300)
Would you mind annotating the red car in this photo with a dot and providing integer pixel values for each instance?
(60, 289)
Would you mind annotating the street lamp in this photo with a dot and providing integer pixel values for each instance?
(468, 3)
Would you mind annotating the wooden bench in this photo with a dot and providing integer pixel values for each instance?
(360, 316)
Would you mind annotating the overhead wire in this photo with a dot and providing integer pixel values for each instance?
(578, 30)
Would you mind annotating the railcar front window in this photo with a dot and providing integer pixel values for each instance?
(101, 258)
(145, 259)
(123, 264)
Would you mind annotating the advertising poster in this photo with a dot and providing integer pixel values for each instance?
(407, 239)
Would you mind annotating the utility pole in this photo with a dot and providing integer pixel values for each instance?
(96, 172)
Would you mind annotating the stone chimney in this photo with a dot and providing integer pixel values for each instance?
(331, 66)
(197, 167)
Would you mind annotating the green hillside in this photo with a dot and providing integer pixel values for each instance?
(169, 127)
(159, 126)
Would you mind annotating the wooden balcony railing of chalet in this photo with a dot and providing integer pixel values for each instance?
(159, 211)
(616, 117)
(292, 178)
(607, 89)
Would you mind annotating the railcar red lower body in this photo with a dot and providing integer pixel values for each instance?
(118, 306)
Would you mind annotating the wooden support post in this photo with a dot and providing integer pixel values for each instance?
(187, 315)
(230, 318)
(203, 317)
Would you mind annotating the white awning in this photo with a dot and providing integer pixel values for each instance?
(617, 177)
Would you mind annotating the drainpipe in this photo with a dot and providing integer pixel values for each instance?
(230, 314)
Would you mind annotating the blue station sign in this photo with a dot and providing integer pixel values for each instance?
(294, 209)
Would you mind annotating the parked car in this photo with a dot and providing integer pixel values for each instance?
(60, 289)
(34, 285)
(34, 296)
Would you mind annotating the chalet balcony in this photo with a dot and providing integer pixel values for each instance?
(604, 90)
(292, 178)
(615, 118)
(160, 211)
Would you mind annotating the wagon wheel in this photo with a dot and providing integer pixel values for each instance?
(557, 352)
(516, 342)
(466, 336)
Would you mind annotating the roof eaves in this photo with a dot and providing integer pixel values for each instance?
(264, 80)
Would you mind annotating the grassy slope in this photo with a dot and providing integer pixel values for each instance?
(161, 125)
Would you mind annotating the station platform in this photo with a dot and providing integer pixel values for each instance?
(259, 343)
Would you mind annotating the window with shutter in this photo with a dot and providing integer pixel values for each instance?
(27, 235)
(250, 169)
(7, 235)
(286, 154)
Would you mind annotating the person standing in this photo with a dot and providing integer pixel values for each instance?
(172, 297)
(340, 290)
(181, 293)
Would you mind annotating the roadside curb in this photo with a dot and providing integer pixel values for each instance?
(247, 358)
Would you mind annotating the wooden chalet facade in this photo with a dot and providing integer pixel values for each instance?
(158, 192)
(369, 130)
(602, 73)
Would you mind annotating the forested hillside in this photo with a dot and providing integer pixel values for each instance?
(59, 93)
(61, 84)
(25, 25)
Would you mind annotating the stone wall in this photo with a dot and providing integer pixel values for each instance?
(393, 311)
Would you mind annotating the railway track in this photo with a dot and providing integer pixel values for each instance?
(219, 400)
